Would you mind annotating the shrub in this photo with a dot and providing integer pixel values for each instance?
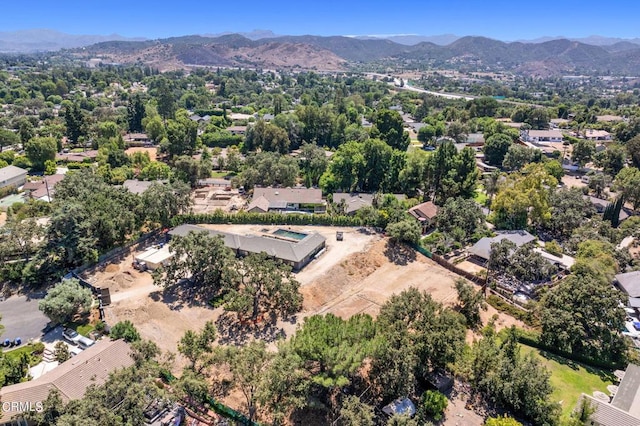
(61, 352)
(38, 348)
(434, 404)
(125, 330)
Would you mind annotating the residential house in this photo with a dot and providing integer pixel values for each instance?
(287, 199)
(541, 136)
(629, 283)
(352, 201)
(138, 186)
(12, 176)
(624, 408)
(43, 189)
(296, 249)
(481, 251)
(71, 379)
(78, 157)
(237, 130)
(425, 213)
(601, 205)
(137, 139)
(597, 135)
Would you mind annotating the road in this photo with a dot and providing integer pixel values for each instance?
(21, 318)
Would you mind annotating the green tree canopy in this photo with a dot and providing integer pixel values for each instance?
(65, 300)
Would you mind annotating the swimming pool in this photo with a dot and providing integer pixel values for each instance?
(289, 234)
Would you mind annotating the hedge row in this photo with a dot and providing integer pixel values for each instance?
(532, 338)
(220, 217)
(509, 308)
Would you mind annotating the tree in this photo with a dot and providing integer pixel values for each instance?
(196, 346)
(75, 122)
(582, 315)
(41, 150)
(284, 384)
(188, 169)
(155, 129)
(470, 302)
(266, 286)
(583, 152)
(518, 156)
(354, 412)
(433, 404)
(457, 131)
(508, 379)
(612, 159)
(569, 208)
(495, 148)
(628, 183)
(162, 202)
(633, 149)
(266, 137)
(598, 182)
(247, 366)
(460, 217)
(8, 138)
(407, 231)
(499, 256)
(201, 259)
(332, 348)
(346, 169)
(524, 198)
(389, 126)
(155, 170)
(67, 299)
(61, 352)
(267, 169)
(125, 330)
(436, 334)
(166, 99)
(313, 163)
(135, 113)
(181, 137)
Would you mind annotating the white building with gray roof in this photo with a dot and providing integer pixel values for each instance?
(294, 252)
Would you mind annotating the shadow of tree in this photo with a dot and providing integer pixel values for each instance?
(399, 254)
(233, 331)
(604, 375)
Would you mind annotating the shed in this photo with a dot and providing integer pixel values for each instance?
(155, 257)
(12, 176)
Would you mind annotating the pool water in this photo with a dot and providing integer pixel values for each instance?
(289, 234)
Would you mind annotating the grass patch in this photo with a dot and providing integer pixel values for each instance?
(82, 328)
(218, 174)
(16, 354)
(570, 379)
(481, 198)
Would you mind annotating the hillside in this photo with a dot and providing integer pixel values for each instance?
(558, 56)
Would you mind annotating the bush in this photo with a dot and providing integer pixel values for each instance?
(434, 404)
(220, 217)
(61, 352)
(125, 330)
(506, 307)
(38, 348)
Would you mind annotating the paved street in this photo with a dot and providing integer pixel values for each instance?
(21, 318)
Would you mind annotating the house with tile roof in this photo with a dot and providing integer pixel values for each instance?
(71, 379)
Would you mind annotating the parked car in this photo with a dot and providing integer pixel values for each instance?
(75, 338)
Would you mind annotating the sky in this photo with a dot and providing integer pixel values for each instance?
(499, 19)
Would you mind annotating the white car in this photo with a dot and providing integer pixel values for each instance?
(75, 338)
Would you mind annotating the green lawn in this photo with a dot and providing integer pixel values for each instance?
(15, 354)
(82, 328)
(219, 174)
(570, 379)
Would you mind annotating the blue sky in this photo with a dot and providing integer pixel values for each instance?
(505, 20)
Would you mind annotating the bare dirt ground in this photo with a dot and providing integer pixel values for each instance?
(356, 275)
(209, 199)
(153, 152)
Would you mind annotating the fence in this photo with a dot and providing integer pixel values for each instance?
(453, 268)
(216, 406)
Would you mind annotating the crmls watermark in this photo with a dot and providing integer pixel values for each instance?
(21, 406)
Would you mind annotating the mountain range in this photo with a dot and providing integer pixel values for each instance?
(263, 48)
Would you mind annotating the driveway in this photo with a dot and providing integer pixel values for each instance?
(21, 318)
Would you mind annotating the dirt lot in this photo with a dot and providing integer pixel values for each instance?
(153, 152)
(210, 199)
(352, 276)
